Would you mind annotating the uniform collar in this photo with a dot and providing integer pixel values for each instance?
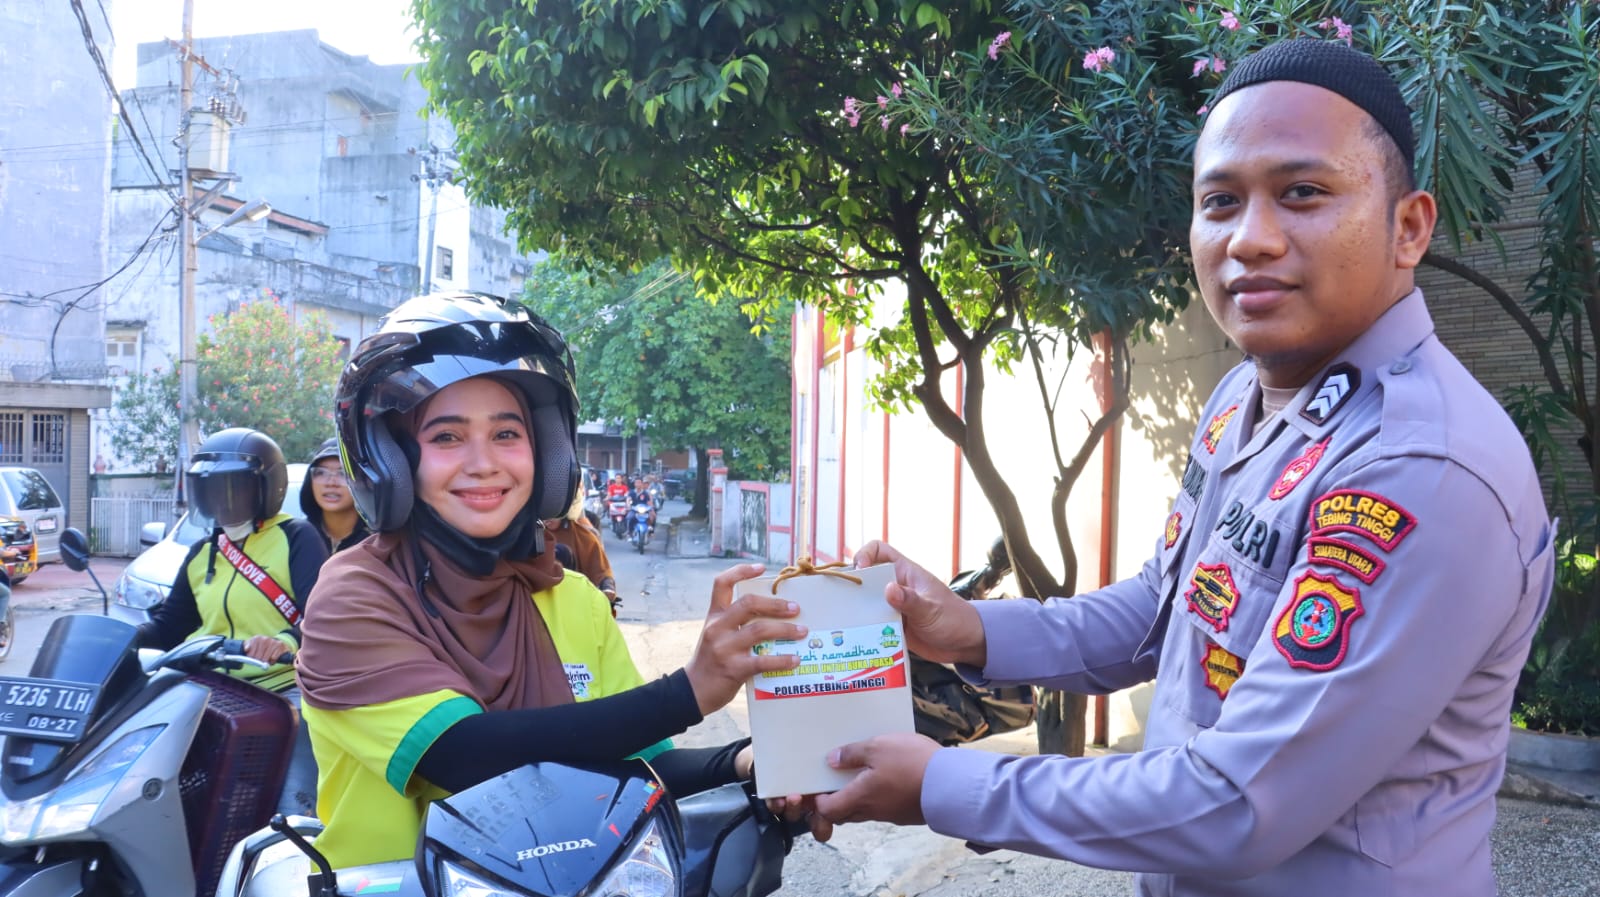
(1349, 377)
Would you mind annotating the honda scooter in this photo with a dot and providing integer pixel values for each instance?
(617, 506)
(542, 830)
(122, 778)
(639, 525)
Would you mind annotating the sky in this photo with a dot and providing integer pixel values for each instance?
(375, 28)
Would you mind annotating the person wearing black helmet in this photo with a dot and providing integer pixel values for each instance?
(452, 647)
(250, 578)
(325, 499)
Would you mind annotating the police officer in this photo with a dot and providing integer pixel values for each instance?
(1344, 593)
(249, 579)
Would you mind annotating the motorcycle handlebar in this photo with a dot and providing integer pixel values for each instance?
(233, 651)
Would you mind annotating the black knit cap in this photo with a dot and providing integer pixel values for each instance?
(1335, 66)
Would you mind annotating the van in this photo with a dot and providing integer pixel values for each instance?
(26, 495)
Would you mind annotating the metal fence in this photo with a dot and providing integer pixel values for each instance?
(114, 522)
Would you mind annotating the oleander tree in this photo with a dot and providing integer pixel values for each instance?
(265, 367)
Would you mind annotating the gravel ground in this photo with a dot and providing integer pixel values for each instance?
(1547, 850)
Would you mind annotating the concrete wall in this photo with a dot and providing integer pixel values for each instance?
(55, 128)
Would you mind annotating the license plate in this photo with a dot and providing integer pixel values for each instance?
(44, 525)
(46, 708)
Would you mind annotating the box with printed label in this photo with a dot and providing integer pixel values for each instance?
(852, 682)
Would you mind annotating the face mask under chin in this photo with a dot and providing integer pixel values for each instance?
(238, 532)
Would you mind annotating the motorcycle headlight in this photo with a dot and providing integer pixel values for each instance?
(133, 592)
(71, 807)
(647, 871)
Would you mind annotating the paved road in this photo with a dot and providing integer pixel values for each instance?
(1540, 850)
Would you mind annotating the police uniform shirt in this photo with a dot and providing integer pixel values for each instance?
(1338, 608)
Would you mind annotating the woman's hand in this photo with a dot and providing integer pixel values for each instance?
(266, 648)
(723, 659)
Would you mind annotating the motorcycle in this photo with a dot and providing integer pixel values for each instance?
(21, 559)
(594, 504)
(129, 778)
(639, 525)
(618, 508)
(544, 829)
(951, 710)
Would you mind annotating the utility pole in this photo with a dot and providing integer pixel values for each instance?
(188, 426)
(438, 168)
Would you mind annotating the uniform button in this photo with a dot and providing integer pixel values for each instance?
(1401, 366)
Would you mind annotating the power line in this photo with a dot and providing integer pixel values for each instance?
(122, 112)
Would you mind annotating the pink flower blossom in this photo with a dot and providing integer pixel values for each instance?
(849, 105)
(1202, 110)
(895, 89)
(904, 129)
(1219, 65)
(998, 44)
(1343, 32)
(1229, 21)
(883, 101)
(885, 122)
(1095, 60)
(1199, 66)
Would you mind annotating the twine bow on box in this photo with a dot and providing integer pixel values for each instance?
(803, 567)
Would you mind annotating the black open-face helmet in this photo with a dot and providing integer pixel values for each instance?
(237, 476)
(427, 344)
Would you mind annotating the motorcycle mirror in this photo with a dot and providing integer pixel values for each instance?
(74, 550)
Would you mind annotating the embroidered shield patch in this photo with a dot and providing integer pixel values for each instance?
(1297, 470)
(1222, 669)
(1215, 428)
(1212, 594)
(1174, 528)
(1313, 632)
(1367, 513)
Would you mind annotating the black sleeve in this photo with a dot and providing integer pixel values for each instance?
(484, 745)
(175, 617)
(307, 553)
(690, 770)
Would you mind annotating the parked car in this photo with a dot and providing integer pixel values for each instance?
(149, 577)
(26, 494)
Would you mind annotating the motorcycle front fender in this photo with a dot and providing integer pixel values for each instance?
(24, 878)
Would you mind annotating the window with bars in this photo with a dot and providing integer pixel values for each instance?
(11, 437)
(122, 352)
(49, 439)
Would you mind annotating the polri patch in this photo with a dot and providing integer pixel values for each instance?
(1174, 528)
(1297, 470)
(1256, 540)
(1222, 669)
(1215, 429)
(1366, 513)
(1337, 386)
(1212, 594)
(1194, 478)
(1345, 556)
(1313, 632)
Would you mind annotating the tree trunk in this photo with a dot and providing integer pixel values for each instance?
(1059, 722)
(702, 485)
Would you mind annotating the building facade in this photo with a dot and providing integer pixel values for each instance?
(364, 210)
(55, 152)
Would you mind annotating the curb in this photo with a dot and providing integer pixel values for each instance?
(1552, 786)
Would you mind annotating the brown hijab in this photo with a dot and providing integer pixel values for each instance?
(370, 636)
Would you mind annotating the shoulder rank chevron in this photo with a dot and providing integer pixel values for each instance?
(1337, 385)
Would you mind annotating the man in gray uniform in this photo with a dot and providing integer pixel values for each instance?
(1346, 587)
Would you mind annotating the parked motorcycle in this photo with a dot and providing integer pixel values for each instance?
(951, 710)
(542, 830)
(639, 525)
(20, 559)
(617, 505)
(122, 778)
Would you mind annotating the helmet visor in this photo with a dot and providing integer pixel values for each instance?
(226, 487)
